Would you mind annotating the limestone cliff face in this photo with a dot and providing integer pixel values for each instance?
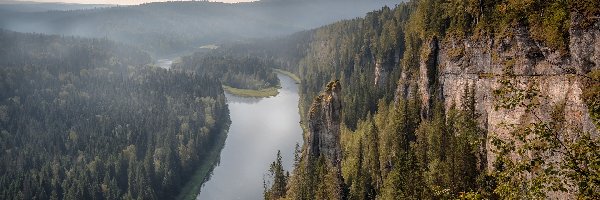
(324, 125)
(383, 68)
(450, 65)
(428, 83)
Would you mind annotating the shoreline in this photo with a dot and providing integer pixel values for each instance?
(267, 92)
(191, 189)
(289, 74)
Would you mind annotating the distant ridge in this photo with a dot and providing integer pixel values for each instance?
(167, 27)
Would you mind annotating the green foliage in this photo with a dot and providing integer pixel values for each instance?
(290, 74)
(548, 21)
(450, 148)
(351, 51)
(540, 156)
(277, 185)
(190, 189)
(266, 92)
(463, 15)
(439, 159)
(456, 53)
(365, 180)
(86, 119)
(389, 150)
(584, 166)
(591, 95)
(586, 151)
(313, 179)
(240, 72)
(589, 10)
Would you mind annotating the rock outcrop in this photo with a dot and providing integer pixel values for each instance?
(324, 120)
(428, 82)
(451, 65)
(323, 140)
(558, 77)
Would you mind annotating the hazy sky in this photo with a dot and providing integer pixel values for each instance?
(122, 2)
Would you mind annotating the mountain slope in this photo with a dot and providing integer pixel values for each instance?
(169, 27)
(88, 119)
(461, 99)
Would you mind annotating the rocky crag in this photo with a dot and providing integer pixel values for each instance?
(450, 65)
(324, 125)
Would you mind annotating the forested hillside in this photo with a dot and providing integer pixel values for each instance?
(164, 28)
(88, 119)
(429, 99)
(238, 71)
(448, 99)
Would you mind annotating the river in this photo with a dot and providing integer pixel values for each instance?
(259, 127)
(165, 63)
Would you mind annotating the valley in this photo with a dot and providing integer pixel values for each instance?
(259, 128)
(291, 99)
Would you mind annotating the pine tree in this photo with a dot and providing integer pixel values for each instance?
(278, 186)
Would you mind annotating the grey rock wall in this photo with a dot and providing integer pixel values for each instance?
(482, 62)
(324, 121)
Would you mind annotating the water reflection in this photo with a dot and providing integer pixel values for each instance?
(258, 129)
(164, 63)
(237, 99)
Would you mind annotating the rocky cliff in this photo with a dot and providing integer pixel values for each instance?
(324, 125)
(452, 64)
(439, 59)
(324, 120)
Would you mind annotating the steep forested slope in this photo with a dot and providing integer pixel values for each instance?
(450, 99)
(87, 119)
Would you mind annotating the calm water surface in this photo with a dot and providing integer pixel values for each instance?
(259, 127)
(165, 63)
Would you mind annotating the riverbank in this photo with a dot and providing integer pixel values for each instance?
(290, 74)
(259, 128)
(267, 92)
(202, 174)
(297, 79)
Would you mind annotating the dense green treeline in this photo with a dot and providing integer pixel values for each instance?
(393, 149)
(391, 155)
(354, 52)
(389, 41)
(87, 119)
(394, 155)
(285, 51)
(244, 72)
